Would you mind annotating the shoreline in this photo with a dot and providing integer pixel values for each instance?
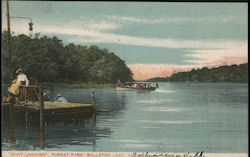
(74, 85)
(80, 85)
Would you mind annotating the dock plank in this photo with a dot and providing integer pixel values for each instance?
(52, 105)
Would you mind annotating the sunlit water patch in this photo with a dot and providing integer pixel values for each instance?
(169, 122)
(154, 101)
(161, 109)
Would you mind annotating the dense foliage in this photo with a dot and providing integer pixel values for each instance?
(48, 60)
(233, 73)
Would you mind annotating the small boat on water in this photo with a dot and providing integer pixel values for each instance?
(136, 86)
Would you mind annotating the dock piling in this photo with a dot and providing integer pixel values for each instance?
(52, 93)
(12, 121)
(26, 118)
(42, 124)
(93, 97)
(94, 103)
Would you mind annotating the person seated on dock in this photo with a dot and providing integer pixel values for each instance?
(47, 95)
(60, 98)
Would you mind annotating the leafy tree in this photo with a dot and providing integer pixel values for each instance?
(233, 73)
(110, 68)
(49, 60)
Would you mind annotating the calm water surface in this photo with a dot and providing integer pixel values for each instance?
(177, 117)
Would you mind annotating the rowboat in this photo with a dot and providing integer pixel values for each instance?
(127, 86)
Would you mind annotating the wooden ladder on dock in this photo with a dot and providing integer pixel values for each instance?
(30, 93)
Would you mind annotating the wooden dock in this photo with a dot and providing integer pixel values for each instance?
(31, 108)
(31, 100)
(54, 110)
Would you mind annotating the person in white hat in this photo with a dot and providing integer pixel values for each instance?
(22, 79)
(60, 98)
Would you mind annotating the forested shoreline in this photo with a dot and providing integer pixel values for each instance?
(232, 73)
(49, 60)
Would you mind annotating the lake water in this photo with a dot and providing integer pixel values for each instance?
(177, 117)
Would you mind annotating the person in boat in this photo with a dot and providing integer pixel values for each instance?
(60, 98)
(127, 84)
(119, 83)
(134, 85)
(157, 86)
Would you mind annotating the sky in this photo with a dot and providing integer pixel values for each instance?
(155, 39)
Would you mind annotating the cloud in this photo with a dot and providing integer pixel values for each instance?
(147, 71)
(233, 54)
(104, 37)
(171, 19)
(131, 19)
(200, 58)
(102, 26)
(94, 32)
(106, 26)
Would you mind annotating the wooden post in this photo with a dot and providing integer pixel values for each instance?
(42, 126)
(26, 122)
(52, 93)
(12, 121)
(93, 102)
(93, 97)
(9, 60)
(26, 118)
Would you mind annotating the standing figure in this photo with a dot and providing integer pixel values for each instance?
(22, 79)
(16, 89)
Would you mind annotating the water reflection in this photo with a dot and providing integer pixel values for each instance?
(79, 132)
(73, 132)
(85, 134)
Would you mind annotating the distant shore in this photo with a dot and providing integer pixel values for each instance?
(231, 74)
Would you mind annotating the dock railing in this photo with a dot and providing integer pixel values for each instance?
(29, 93)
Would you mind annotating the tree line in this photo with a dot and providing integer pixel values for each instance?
(233, 73)
(49, 60)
